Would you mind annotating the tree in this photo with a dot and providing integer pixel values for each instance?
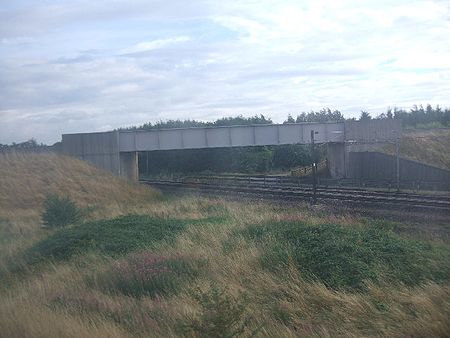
(290, 119)
(324, 115)
(364, 116)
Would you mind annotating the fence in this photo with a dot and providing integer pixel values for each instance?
(374, 166)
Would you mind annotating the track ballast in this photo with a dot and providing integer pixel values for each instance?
(269, 189)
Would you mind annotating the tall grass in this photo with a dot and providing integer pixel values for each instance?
(27, 179)
(151, 275)
(343, 257)
(428, 146)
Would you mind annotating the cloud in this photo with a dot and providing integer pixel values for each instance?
(74, 66)
(155, 44)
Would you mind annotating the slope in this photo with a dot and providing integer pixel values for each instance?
(426, 146)
(27, 178)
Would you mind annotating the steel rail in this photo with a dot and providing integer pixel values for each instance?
(306, 187)
(296, 193)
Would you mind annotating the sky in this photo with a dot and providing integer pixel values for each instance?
(95, 65)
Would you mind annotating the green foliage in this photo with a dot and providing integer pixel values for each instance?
(242, 121)
(224, 121)
(419, 116)
(238, 159)
(60, 211)
(221, 315)
(364, 116)
(146, 273)
(345, 257)
(291, 155)
(324, 115)
(30, 145)
(116, 236)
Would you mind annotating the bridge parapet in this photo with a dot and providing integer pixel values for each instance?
(372, 131)
(232, 136)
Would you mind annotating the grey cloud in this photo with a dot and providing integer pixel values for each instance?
(74, 90)
(77, 59)
(39, 18)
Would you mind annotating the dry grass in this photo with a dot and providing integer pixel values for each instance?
(427, 146)
(26, 179)
(283, 305)
(58, 300)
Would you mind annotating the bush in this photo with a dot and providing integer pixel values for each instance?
(60, 211)
(221, 315)
(344, 257)
(117, 236)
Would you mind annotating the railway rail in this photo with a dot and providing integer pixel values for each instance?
(273, 189)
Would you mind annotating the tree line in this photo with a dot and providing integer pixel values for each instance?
(28, 146)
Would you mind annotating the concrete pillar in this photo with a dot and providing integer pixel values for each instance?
(129, 166)
(337, 159)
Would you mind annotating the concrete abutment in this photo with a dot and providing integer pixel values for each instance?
(336, 156)
(129, 168)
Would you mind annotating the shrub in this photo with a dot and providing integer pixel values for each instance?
(60, 211)
(117, 236)
(221, 315)
(343, 257)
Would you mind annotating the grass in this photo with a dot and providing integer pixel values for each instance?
(116, 236)
(145, 266)
(148, 274)
(343, 257)
(27, 179)
(427, 146)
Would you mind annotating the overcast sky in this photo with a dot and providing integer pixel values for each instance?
(94, 65)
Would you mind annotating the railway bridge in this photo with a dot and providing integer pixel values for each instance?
(117, 151)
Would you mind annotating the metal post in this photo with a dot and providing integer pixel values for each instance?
(146, 166)
(397, 151)
(313, 157)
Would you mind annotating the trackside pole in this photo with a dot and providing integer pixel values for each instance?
(314, 167)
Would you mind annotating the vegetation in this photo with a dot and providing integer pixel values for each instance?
(221, 314)
(419, 117)
(324, 115)
(60, 211)
(116, 236)
(148, 274)
(346, 258)
(31, 144)
(143, 265)
(27, 179)
(427, 146)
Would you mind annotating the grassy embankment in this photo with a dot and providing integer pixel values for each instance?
(144, 265)
(426, 146)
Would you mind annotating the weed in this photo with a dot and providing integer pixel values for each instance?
(221, 314)
(146, 273)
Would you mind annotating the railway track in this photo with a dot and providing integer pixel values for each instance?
(298, 192)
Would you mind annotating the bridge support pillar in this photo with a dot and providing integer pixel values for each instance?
(129, 166)
(337, 161)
